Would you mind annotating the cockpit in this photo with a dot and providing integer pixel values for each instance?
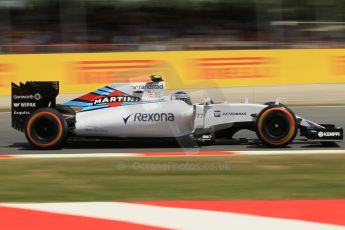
(182, 96)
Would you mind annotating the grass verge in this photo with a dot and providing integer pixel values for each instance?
(171, 178)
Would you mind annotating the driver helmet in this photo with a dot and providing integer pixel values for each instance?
(182, 96)
(156, 78)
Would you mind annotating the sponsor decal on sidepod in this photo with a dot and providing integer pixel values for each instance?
(150, 117)
(217, 113)
(115, 99)
(235, 114)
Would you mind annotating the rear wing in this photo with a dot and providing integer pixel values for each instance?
(28, 97)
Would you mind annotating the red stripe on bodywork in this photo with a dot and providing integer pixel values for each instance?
(19, 219)
(90, 97)
(117, 93)
(321, 211)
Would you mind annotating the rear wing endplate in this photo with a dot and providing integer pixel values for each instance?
(28, 97)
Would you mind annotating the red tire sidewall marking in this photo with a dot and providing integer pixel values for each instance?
(291, 121)
(38, 115)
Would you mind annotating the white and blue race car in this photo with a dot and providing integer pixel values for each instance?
(140, 110)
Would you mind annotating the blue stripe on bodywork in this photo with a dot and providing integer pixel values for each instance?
(99, 92)
(78, 103)
(94, 108)
(106, 89)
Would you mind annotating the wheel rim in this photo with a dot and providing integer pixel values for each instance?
(277, 126)
(45, 129)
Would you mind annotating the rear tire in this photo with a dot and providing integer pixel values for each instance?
(276, 126)
(46, 129)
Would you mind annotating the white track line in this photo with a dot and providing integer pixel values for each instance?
(291, 152)
(173, 218)
(81, 155)
(159, 154)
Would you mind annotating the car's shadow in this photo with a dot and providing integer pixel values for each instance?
(298, 145)
(108, 145)
(158, 145)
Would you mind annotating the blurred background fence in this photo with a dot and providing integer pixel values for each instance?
(50, 26)
(228, 48)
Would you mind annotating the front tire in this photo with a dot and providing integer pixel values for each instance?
(46, 129)
(276, 126)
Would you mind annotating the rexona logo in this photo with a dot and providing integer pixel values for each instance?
(329, 134)
(104, 100)
(150, 117)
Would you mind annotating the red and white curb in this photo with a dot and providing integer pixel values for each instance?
(243, 215)
(170, 154)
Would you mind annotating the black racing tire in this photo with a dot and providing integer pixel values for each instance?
(46, 129)
(276, 126)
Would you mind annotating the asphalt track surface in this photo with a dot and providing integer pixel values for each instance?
(14, 142)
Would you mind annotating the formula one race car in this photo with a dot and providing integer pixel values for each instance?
(140, 110)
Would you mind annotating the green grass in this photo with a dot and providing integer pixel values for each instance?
(158, 178)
